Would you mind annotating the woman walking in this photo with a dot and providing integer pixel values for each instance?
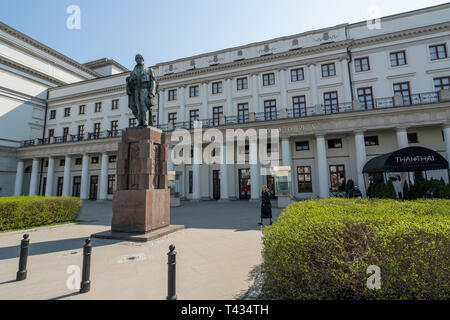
(266, 206)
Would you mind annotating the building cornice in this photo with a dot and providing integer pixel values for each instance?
(119, 88)
(22, 96)
(104, 62)
(30, 71)
(19, 35)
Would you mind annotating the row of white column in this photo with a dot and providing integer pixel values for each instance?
(84, 191)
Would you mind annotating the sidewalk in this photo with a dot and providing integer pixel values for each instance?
(217, 251)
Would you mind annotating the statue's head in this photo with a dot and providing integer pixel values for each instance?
(139, 59)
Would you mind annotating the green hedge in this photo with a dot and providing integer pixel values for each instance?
(26, 212)
(321, 249)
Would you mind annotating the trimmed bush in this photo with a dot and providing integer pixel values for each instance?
(321, 249)
(26, 212)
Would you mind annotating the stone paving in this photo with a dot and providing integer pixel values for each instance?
(217, 254)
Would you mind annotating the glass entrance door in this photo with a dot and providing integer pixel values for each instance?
(271, 185)
(244, 184)
(76, 186)
(93, 188)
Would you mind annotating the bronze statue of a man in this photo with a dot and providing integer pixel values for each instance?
(141, 91)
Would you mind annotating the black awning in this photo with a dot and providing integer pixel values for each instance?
(407, 160)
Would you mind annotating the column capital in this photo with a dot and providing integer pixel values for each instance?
(311, 64)
(320, 134)
(446, 125)
(254, 74)
(359, 131)
(228, 78)
(282, 69)
(401, 129)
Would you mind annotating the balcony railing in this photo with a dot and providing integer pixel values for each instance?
(242, 118)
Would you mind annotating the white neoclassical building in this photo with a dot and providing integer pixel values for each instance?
(339, 97)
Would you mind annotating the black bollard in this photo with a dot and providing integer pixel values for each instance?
(24, 244)
(171, 295)
(85, 281)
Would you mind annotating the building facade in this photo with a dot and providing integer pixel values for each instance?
(338, 96)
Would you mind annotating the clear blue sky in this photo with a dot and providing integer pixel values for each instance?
(170, 29)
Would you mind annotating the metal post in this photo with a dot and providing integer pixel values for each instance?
(171, 295)
(24, 244)
(86, 282)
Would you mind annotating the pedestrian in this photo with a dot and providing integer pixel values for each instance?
(266, 206)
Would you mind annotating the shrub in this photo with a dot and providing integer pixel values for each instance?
(390, 190)
(321, 249)
(27, 212)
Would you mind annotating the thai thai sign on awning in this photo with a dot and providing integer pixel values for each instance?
(407, 160)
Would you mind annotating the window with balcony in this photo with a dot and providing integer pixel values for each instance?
(217, 113)
(115, 104)
(328, 70)
(362, 64)
(217, 87)
(331, 102)
(82, 109)
(66, 112)
(438, 52)
(97, 130)
(51, 133)
(441, 83)
(268, 79)
(365, 96)
(114, 127)
(242, 83)
(403, 89)
(193, 116)
(52, 114)
(98, 107)
(304, 179)
(371, 141)
(132, 123)
(242, 113)
(172, 95)
(172, 118)
(299, 106)
(270, 110)
(194, 91)
(81, 130)
(297, 75)
(398, 58)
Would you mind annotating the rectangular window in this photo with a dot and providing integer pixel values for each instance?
(51, 133)
(242, 83)
(62, 162)
(115, 104)
(365, 97)
(337, 177)
(52, 114)
(193, 116)
(304, 179)
(172, 118)
(76, 190)
(98, 107)
(78, 161)
(371, 141)
(398, 58)
(172, 94)
(413, 138)
(82, 109)
(270, 110)
(81, 130)
(328, 70)
(299, 106)
(65, 133)
(438, 51)
(132, 122)
(154, 120)
(243, 113)
(331, 102)
(268, 79)
(111, 183)
(59, 186)
(66, 112)
(112, 159)
(441, 83)
(217, 113)
(302, 145)
(194, 91)
(94, 160)
(114, 127)
(190, 181)
(297, 75)
(362, 64)
(403, 89)
(97, 130)
(334, 143)
(216, 87)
